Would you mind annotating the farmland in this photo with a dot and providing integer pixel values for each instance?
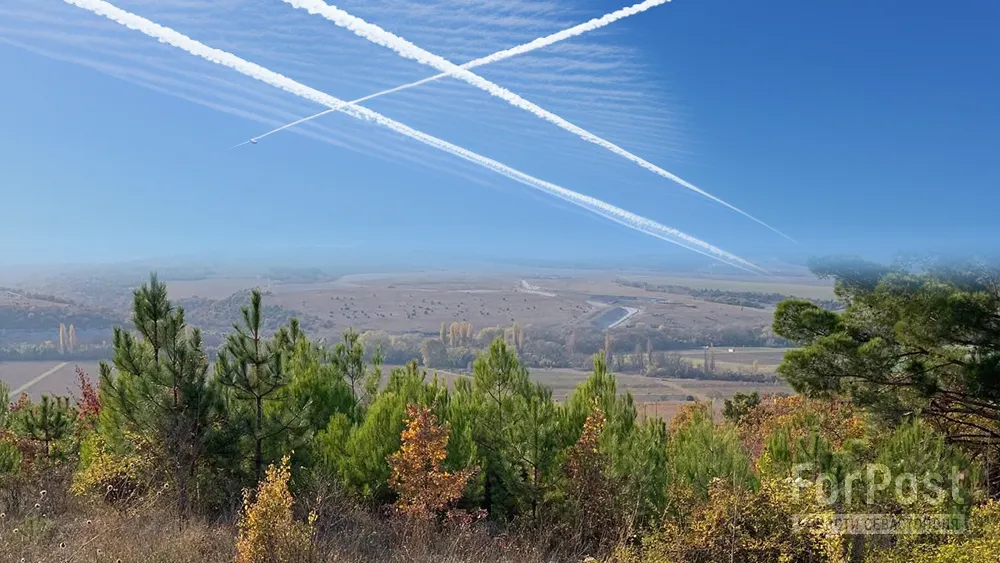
(565, 316)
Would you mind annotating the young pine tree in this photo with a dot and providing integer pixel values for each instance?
(159, 390)
(45, 422)
(253, 368)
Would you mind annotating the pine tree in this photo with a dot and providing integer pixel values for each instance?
(253, 368)
(159, 389)
(498, 385)
(608, 357)
(349, 357)
(47, 421)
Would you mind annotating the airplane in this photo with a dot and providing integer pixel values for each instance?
(254, 141)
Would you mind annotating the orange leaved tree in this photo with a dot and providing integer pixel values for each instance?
(425, 489)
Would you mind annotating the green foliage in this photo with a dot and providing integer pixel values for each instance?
(739, 406)
(159, 389)
(362, 461)
(49, 421)
(916, 449)
(253, 369)
(701, 451)
(4, 406)
(909, 341)
(587, 471)
(10, 458)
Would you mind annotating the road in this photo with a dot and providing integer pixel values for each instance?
(629, 313)
(28, 385)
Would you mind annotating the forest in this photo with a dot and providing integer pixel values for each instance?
(283, 448)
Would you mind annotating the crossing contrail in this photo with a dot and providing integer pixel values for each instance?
(255, 71)
(408, 50)
(539, 43)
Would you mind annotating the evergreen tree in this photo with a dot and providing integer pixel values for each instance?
(48, 421)
(349, 358)
(700, 452)
(253, 369)
(159, 390)
(537, 443)
(359, 454)
(499, 384)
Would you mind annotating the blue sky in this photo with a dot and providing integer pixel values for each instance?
(863, 127)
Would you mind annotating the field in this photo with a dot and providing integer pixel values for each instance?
(740, 359)
(654, 397)
(409, 304)
(420, 302)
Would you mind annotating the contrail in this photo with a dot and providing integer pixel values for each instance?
(255, 71)
(574, 31)
(408, 50)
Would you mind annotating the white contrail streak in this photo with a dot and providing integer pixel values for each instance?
(539, 43)
(253, 70)
(404, 48)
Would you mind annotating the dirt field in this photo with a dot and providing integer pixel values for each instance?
(422, 304)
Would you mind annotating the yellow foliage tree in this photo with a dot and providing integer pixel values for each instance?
(980, 542)
(268, 532)
(425, 489)
(834, 419)
(594, 518)
(778, 523)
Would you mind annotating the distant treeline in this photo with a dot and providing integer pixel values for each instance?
(641, 349)
(37, 296)
(752, 299)
(49, 318)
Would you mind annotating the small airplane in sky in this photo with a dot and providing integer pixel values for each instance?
(251, 142)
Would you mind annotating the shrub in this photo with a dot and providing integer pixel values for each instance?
(736, 524)
(268, 531)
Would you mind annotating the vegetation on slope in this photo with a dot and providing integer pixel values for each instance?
(288, 450)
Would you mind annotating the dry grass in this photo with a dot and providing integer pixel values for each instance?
(56, 526)
(153, 534)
